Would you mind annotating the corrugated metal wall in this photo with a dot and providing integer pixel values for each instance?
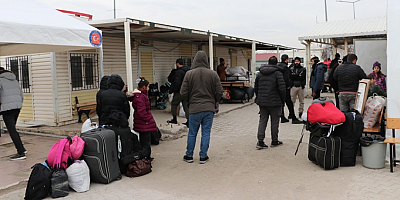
(42, 88)
(165, 55)
(63, 87)
(27, 108)
(146, 65)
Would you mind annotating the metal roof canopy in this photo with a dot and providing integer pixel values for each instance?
(155, 31)
(336, 32)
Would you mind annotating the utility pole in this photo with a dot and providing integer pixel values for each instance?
(115, 12)
(326, 12)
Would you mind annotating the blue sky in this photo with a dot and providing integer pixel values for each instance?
(273, 21)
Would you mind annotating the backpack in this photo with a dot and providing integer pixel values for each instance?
(77, 147)
(39, 182)
(60, 154)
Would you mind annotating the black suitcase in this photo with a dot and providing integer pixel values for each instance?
(325, 151)
(100, 154)
(318, 129)
(128, 144)
(350, 132)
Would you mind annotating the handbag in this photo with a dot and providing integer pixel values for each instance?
(138, 168)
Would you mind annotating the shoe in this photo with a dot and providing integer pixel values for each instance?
(172, 121)
(261, 145)
(25, 152)
(297, 121)
(290, 117)
(186, 124)
(284, 120)
(204, 160)
(188, 159)
(276, 143)
(300, 114)
(18, 157)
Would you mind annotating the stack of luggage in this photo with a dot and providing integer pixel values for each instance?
(100, 155)
(334, 135)
(324, 148)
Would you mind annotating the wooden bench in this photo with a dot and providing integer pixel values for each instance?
(235, 84)
(84, 108)
(379, 127)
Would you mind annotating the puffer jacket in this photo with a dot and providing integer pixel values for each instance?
(270, 87)
(286, 73)
(201, 87)
(143, 120)
(11, 96)
(113, 99)
(348, 76)
(297, 75)
(103, 87)
(179, 74)
(318, 77)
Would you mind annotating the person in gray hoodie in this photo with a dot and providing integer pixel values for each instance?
(202, 89)
(11, 98)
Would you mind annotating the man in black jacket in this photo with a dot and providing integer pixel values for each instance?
(113, 100)
(298, 82)
(270, 97)
(176, 79)
(334, 64)
(348, 76)
(286, 72)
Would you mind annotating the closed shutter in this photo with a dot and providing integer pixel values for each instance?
(186, 49)
(146, 65)
(234, 60)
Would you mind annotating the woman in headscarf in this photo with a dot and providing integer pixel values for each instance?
(380, 78)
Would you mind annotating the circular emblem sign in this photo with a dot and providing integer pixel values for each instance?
(95, 38)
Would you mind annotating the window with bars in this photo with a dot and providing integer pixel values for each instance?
(20, 67)
(84, 71)
(187, 60)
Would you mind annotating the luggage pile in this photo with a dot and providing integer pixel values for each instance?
(100, 155)
(334, 135)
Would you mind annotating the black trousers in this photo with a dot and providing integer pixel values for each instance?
(317, 94)
(10, 119)
(289, 104)
(145, 141)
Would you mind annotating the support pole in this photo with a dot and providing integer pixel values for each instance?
(210, 51)
(326, 12)
(346, 46)
(307, 65)
(278, 56)
(128, 61)
(101, 61)
(253, 61)
(293, 55)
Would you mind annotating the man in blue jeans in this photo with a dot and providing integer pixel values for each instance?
(202, 89)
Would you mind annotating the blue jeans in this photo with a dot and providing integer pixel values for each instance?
(205, 119)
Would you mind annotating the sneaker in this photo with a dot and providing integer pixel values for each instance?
(276, 143)
(172, 121)
(284, 120)
(204, 160)
(261, 145)
(297, 121)
(25, 152)
(300, 114)
(188, 159)
(18, 157)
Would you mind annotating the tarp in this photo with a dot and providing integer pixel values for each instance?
(28, 26)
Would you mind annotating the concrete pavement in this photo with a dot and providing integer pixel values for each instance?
(237, 170)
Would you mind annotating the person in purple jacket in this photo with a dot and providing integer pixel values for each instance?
(143, 121)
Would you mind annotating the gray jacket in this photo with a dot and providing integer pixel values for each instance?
(201, 86)
(11, 95)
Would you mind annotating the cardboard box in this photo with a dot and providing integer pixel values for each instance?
(362, 94)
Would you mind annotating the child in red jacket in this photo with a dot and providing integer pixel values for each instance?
(143, 121)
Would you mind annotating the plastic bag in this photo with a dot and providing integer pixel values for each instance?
(371, 139)
(79, 176)
(88, 125)
(238, 70)
(226, 95)
(372, 110)
(181, 111)
(59, 184)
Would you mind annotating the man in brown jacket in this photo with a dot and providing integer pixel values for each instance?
(202, 89)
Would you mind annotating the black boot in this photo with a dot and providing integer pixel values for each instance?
(173, 120)
(284, 120)
(186, 123)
